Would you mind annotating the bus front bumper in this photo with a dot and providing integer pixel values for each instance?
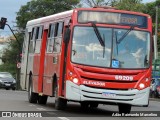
(84, 93)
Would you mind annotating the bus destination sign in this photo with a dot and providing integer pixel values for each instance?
(112, 18)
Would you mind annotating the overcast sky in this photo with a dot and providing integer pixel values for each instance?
(8, 9)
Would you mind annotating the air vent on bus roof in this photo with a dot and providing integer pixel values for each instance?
(105, 7)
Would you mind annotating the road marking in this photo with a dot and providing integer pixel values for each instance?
(41, 109)
(63, 118)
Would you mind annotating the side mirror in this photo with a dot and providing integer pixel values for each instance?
(67, 35)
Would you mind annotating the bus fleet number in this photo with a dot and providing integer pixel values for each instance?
(120, 77)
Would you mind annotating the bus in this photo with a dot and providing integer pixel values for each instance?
(93, 56)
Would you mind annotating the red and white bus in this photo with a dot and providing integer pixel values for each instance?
(88, 55)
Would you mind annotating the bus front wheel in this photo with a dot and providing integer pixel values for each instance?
(124, 108)
(42, 99)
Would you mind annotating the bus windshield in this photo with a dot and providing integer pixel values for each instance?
(132, 52)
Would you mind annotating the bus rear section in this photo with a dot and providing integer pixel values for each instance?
(104, 58)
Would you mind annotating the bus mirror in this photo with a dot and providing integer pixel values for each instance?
(67, 35)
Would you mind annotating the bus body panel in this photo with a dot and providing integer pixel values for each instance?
(84, 93)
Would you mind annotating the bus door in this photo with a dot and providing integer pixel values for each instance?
(52, 57)
(34, 56)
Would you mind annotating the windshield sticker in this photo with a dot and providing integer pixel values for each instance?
(115, 63)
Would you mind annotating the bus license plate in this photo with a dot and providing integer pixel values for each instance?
(108, 94)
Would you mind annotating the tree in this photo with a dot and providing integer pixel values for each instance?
(93, 3)
(9, 57)
(150, 8)
(40, 8)
(131, 5)
(134, 5)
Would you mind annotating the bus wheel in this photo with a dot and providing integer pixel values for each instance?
(124, 108)
(32, 97)
(42, 99)
(84, 105)
(94, 105)
(60, 103)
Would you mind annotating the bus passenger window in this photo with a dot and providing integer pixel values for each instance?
(38, 39)
(58, 37)
(32, 41)
(60, 28)
(50, 39)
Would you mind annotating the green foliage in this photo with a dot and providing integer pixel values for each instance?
(92, 3)
(13, 50)
(40, 8)
(150, 8)
(131, 5)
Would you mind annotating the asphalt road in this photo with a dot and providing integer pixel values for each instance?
(15, 103)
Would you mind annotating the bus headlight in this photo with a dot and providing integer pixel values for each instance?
(141, 85)
(75, 80)
(73, 77)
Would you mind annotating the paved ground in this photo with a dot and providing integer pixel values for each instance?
(13, 101)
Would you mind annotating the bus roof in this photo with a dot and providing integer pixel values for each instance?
(50, 17)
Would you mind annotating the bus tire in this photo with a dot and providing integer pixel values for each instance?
(124, 108)
(32, 97)
(94, 105)
(42, 99)
(84, 105)
(60, 103)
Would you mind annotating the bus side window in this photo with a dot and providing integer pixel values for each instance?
(38, 39)
(50, 39)
(58, 37)
(32, 41)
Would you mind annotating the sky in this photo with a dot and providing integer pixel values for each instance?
(8, 9)
(145, 1)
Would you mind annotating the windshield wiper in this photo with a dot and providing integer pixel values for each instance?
(125, 34)
(116, 42)
(102, 41)
(98, 34)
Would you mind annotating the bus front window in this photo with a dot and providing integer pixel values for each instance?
(86, 48)
(132, 52)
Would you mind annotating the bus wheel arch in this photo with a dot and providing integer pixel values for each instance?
(124, 108)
